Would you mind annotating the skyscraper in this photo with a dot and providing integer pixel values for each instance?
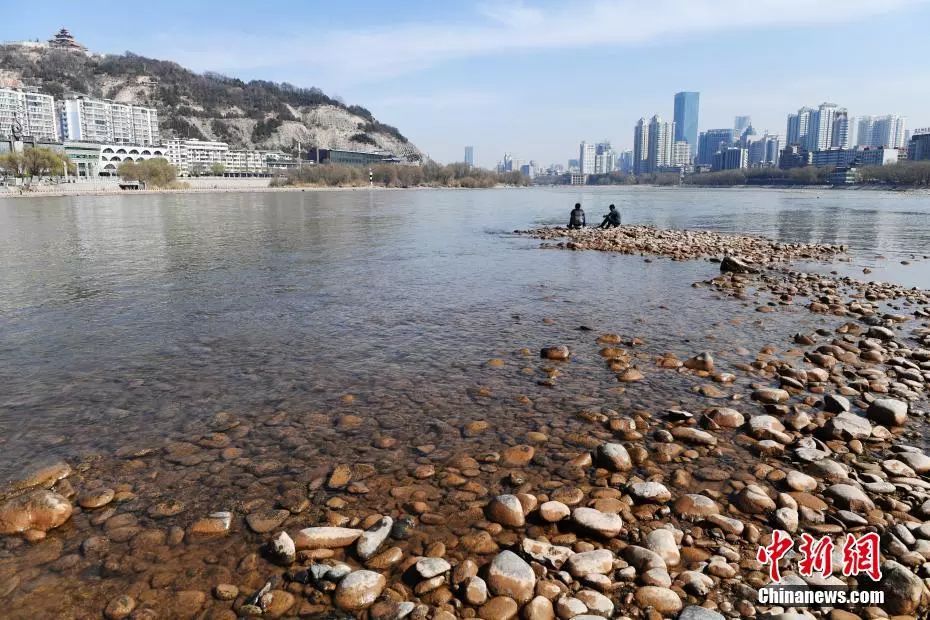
(661, 144)
(799, 127)
(764, 150)
(470, 160)
(829, 128)
(740, 123)
(687, 105)
(877, 131)
(712, 141)
(640, 147)
(586, 154)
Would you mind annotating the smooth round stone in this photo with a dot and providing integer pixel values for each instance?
(276, 603)
(848, 497)
(499, 608)
(605, 524)
(509, 575)
(918, 461)
(372, 539)
(662, 542)
(725, 417)
(752, 499)
(517, 456)
(693, 612)
(225, 591)
(215, 523)
(771, 395)
(569, 607)
(39, 510)
(95, 498)
(326, 537)
(540, 608)
(888, 411)
(475, 591)
(654, 492)
(359, 590)
(695, 506)
(597, 603)
(798, 481)
(119, 607)
(599, 561)
(663, 600)
(264, 521)
(506, 510)
(553, 511)
(613, 456)
(428, 568)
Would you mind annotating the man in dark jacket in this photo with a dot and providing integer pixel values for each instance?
(576, 219)
(612, 219)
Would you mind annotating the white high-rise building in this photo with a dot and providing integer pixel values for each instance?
(829, 128)
(661, 144)
(586, 158)
(878, 131)
(681, 155)
(98, 120)
(799, 127)
(34, 111)
(764, 151)
(470, 159)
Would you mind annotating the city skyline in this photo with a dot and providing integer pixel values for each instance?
(502, 78)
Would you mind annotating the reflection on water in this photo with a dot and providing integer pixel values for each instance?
(134, 317)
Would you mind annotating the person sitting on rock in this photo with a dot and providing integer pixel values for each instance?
(576, 219)
(612, 219)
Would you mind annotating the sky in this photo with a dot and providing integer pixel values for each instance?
(533, 78)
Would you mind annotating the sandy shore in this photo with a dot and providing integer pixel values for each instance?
(633, 506)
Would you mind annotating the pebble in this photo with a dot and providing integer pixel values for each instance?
(119, 607)
(605, 524)
(359, 590)
(888, 411)
(371, 539)
(96, 498)
(506, 510)
(654, 492)
(215, 523)
(598, 561)
(38, 510)
(553, 511)
(509, 575)
(613, 456)
(428, 568)
(325, 537)
(663, 600)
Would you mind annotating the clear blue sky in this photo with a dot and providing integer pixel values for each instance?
(534, 78)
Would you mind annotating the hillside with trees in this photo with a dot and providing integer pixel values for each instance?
(208, 106)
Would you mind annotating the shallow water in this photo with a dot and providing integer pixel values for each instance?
(131, 318)
(129, 322)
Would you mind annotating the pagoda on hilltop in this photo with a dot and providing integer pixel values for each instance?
(65, 40)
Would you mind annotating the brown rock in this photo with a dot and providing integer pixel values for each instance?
(39, 510)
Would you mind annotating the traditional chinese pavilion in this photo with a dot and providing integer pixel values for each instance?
(65, 40)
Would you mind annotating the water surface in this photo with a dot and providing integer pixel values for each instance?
(134, 318)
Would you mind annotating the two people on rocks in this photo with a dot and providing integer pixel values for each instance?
(576, 219)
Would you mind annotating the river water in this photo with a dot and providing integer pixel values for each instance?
(136, 317)
(367, 328)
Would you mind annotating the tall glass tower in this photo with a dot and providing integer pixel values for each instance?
(686, 118)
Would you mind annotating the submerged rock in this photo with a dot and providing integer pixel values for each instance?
(39, 511)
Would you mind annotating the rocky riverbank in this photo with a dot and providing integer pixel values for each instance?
(647, 504)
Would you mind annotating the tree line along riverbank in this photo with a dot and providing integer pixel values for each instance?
(914, 174)
(389, 175)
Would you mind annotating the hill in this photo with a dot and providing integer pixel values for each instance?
(209, 106)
